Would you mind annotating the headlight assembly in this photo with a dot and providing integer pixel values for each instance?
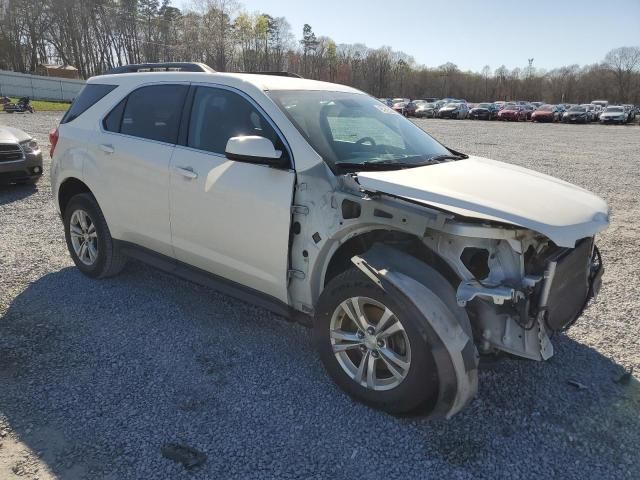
(30, 146)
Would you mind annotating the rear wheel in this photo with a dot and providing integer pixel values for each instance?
(372, 345)
(89, 240)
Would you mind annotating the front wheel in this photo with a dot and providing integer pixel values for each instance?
(372, 345)
(89, 240)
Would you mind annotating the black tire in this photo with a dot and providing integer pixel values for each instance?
(419, 389)
(109, 261)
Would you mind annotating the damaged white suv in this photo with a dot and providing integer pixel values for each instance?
(318, 202)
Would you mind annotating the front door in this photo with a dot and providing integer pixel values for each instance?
(230, 218)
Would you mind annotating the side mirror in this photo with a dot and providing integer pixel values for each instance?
(254, 149)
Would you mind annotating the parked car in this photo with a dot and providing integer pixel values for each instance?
(458, 111)
(387, 101)
(597, 110)
(614, 114)
(537, 105)
(426, 110)
(400, 105)
(528, 109)
(412, 106)
(603, 103)
(546, 113)
(20, 157)
(409, 259)
(483, 111)
(591, 110)
(631, 112)
(512, 112)
(576, 114)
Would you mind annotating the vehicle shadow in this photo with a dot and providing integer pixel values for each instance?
(10, 193)
(97, 375)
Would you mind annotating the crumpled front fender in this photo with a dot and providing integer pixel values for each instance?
(446, 329)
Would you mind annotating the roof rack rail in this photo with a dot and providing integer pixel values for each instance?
(277, 74)
(161, 67)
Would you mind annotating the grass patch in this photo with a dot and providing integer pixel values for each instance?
(45, 106)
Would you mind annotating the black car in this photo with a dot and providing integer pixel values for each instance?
(576, 114)
(483, 111)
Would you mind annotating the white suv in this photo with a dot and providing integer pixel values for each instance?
(321, 203)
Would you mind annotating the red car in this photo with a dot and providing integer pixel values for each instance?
(545, 113)
(400, 105)
(512, 113)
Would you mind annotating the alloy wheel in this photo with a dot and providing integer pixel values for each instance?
(84, 237)
(370, 343)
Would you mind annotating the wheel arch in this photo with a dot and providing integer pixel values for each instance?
(339, 259)
(70, 187)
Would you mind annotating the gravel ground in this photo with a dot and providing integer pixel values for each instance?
(95, 376)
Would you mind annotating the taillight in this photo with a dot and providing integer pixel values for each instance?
(53, 140)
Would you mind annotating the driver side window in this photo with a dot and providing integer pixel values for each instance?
(218, 114)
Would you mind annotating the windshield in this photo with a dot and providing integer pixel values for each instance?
(577, 109)
(351, 128)
(451, 105)
(545, 108)
(614, 109)
(484, 105)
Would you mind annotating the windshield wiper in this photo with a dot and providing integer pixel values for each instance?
(375, 165)
(447, 156)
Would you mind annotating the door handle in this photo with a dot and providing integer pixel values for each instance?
(186, 172)
(107, 148)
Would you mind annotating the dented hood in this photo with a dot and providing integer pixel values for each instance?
(490, 190)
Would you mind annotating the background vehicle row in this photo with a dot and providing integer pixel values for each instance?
(520, 110)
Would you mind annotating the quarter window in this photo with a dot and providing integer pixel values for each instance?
(151, 112)
(112, 121)
(89, 96)
(218, 114)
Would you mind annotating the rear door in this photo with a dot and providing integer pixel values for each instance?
(135, 146)
(228, 217)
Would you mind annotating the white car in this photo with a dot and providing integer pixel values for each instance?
(614, 114)
(320, 203)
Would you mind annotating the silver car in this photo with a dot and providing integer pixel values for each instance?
(20, 157)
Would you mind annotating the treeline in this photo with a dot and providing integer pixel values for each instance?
(95, 35)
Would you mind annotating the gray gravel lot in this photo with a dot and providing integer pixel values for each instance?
(95, 376)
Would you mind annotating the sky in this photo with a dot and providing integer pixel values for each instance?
(469, 33)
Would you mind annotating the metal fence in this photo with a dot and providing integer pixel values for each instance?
(13, 84)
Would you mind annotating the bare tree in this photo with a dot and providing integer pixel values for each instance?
(623, 63)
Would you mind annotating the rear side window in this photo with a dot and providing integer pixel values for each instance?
(90, 94)
(151, 112)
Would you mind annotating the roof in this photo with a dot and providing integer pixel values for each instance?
(238, 80)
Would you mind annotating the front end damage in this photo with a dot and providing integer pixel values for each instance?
(514, 284)
(517, 286)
